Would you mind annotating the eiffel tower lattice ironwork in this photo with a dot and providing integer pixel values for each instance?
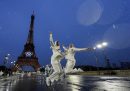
(28, 56)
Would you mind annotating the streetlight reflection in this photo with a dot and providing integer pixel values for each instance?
(74, 80)
(112, 84)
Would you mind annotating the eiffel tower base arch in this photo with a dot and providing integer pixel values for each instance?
(26, 62)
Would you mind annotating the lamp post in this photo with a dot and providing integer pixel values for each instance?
(97, 60)
(6, 58)
(12, 63)
(102, 46)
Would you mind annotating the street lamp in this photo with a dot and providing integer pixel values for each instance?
(6, 58)
(5, 61)
(96, 58)
(99, 46)
(13, 62)
(102, 46)
(8, 54)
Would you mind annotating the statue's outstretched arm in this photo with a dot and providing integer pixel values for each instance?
(83, 49)
(51, 40)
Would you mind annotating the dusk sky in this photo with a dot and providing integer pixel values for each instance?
(84, 23)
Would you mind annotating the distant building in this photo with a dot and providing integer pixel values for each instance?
(125, 65)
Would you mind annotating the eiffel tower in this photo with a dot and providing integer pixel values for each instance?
(28, 56)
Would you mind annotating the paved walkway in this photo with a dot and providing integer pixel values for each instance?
(71, 83)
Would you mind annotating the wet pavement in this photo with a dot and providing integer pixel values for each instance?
(71, 83)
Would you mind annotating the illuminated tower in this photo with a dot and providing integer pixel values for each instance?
(28, 56)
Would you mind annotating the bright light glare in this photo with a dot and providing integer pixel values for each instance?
(104, 43)
(99, 46)
(6, 58)
(94, 48)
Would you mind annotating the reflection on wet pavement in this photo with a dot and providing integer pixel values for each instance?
(71, 83)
